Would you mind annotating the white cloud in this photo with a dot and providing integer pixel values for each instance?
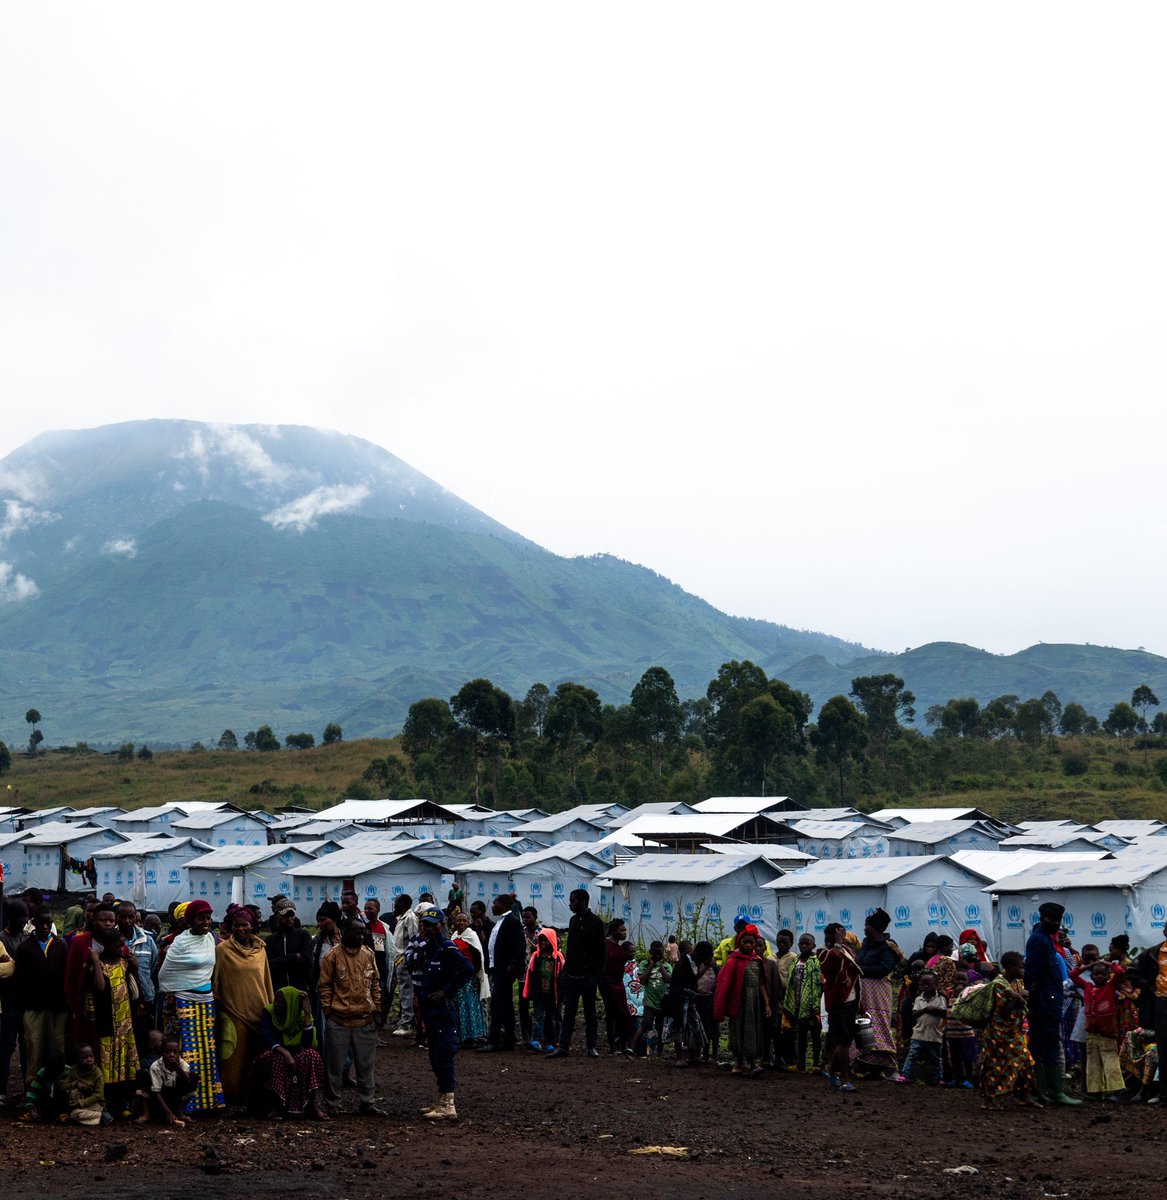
(124, 546)
(232, 445)
(24, 484)
(15, 587)
(72, 544)
(303, 512)
(19, 517)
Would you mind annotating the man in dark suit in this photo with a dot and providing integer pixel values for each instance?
(505, 955)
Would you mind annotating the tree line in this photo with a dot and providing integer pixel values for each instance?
(748, 735)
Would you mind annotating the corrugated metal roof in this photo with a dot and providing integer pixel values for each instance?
(556, 822)
(831, 830)
(571, 852)
(738, 804)
(228, 858)
(370, 838)
(209, 820)
(697, 824)
(657, 808)
(42, 835)
(1128, 829)
(782, 854)
(916, 815)
(935, 831)
(1053, 839)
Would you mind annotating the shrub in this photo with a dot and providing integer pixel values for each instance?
(1074, 764)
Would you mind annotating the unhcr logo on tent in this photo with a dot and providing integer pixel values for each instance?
(668, 908)
(755, 912)
(903, 916)
(151, 875)
(557, 891)
(286, 857)
(1098, 923)
(972, 913)
(371, 890)
(1013, 916)
(260, 888)
(715, 910)
(174, 875)
(646, 908)
(820, 918)
(1068, 921)
(845, 916)
(536, 891)
(285, 887)
(1158, 912)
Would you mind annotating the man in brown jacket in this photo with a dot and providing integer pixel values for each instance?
(350, 998)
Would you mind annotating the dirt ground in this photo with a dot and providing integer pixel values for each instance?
(530, 1126)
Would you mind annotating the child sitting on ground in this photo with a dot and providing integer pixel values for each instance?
(929, 1010)
(1103, 1073)
(82, 1090)
(171, 1082)
(43, 1095)
(141, 1104)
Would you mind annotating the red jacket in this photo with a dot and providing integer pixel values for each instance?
(840, 976)
(727, 996)
(1101, 1002)
(531, 980)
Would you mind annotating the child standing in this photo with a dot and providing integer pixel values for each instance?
(960, 1040)
(800, 1004)
(928, 1010)
(654, 977)
(1103, 1073)
(541, 989)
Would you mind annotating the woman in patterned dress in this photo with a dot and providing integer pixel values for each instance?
(1006, 1063)
(114, 985)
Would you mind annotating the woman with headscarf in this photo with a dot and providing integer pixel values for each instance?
(878, 957)
(111, 993)
(242, 987)
(841, 976)
(185, 977)
(290, 1072)
(741, 999)
(468, 1001)
(1006, 1063)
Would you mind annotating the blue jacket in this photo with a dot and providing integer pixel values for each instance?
(1043, 976)
(443, 968)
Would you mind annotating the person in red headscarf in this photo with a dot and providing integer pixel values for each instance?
(742, 1000)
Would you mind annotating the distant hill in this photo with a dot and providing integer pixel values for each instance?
(1097, 677)
(168, 579)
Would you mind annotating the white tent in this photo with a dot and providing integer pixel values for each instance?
(244, 874)
(840, 839)
(691, 895)
(46, 848)
(374, 874)
(12, 860)
(898, 817)
(148, 869)
(563, 827)
(1000, 864)
(159, 818)
(653, 808)
(98, 815)
(745, 804)
(1126, 894)
(1070, 840)
(543, 878)
(943, 837)
(224, 827)
(920, 894)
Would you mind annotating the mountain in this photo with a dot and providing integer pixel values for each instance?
(1097, 677)
(165, 580)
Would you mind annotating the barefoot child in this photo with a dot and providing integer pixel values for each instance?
(171, 1082)
(924, 1055)
(83, 1090)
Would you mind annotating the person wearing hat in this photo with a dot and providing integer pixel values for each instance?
(439, 972)
(289, 951)
(1045, 973)
(726, 946)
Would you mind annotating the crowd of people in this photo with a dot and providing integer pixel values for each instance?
(114, 1017)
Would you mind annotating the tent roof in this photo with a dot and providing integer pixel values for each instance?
(7, 839)
(916, 815)
(854, 872)
(771, 850)
(559, 821)
(827, 830)
(656, 807)
(102, 809)
(208, 820)
(1054, 839)
(682, 868)
(1047, 826)
(1128, 829)
(933, 831)
(569, 852)
(61, 833)
(226, 858)
(344, 863)
(140, 844)
(1000, 864)
(1060, 876)
(369, 838)
(484, 842)
(740, 804)
(710, 824)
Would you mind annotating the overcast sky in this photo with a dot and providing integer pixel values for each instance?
(845, 316)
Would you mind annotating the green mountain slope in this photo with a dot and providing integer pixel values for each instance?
(1094, 676)
(219, 619)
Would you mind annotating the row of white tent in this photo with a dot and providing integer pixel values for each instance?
(991, 877)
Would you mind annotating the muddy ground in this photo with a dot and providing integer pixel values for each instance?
(530, 1126)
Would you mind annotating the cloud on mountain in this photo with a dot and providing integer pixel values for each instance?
(126, 547)
(15, 587)
(18, 517)
(303, 512)
(229, 444)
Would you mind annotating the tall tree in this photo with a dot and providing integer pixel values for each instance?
(35, 737)
(657, 712)
(489, 714)
(1143, 699)
(427, 723)
(332, 734)
(840, 735)
(961, 718)
(531, 715)
(228, 740)
(1122, 720)
(1073, 720)
(765, 731)
(574, 722)
(1030, 721)
(883, 699)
